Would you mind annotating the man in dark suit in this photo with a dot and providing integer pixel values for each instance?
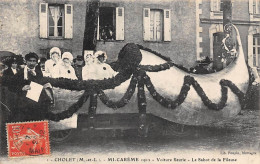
(78, 66)
(28, 109)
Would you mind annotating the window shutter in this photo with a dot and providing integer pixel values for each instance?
(146, 24)
(250, 6)
(68, 21)
(214, 5)
(43, 16)
(120, 23)
(167, 24)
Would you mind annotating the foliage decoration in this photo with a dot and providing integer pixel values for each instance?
(141, 93)
(188, 81)
(70, 111)
(124, 100)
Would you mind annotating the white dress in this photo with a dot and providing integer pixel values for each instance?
(65, 72)
(49, 65)
(97, 71)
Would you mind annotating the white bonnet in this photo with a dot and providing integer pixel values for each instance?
(55, 49)
(67, 55)
(98, 53)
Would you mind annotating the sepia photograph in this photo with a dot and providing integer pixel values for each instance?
(129, 81)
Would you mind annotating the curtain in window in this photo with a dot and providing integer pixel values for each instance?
(56, 15)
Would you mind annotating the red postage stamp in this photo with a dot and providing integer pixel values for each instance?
(28, 139)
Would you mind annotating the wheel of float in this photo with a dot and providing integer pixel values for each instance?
(179, 130)
(61, 136)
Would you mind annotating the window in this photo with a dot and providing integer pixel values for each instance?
(156, 25)
(107, 23)
(256, 50)
(217, 7)
(256, 6)
(110, 24)
(221, 5)
(56, 20)
(56, 17)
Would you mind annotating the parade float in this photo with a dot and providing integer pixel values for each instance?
(149, 86)
(150, 89)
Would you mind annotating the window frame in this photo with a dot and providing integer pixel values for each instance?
(256, 7)
(254, 10)
(166, 25)
(114, 25)
(256, 47)
(63, 22)
(154, 27)
(67, 22)
(216, 12)
(118, 23)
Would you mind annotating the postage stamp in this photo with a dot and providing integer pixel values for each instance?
(28, 139)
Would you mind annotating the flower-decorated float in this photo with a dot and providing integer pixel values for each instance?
(148, 85)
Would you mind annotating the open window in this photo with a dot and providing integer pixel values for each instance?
(110, 24)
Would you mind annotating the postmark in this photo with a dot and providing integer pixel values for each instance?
(28, 139)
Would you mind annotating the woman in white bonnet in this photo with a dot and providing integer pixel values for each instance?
(65, 69)
(99, 70)
(104, 70)
(55, 59)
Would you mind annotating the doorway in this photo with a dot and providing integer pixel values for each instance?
(217, 51)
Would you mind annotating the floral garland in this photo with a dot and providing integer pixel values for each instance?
(141, 93)
(89, 85)
(143, 127)
(157, 68)
(188, 81)
(124, 100)
(71, 110)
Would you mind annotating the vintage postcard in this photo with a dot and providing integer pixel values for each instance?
(130, 81)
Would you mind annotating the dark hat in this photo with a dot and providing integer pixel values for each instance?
(79, 57)
(31, 55)
(43, 60)
(9, 60)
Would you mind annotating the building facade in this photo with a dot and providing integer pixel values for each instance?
(186, 31)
